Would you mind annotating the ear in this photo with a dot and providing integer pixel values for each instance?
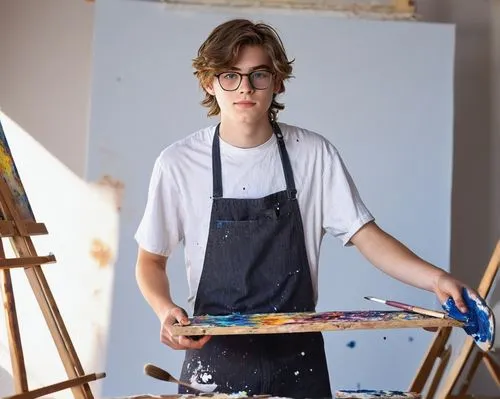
(210, 89)
(278, 87)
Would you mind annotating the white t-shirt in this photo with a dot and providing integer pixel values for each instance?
(180, 193)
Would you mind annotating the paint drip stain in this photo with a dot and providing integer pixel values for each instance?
(101, 252)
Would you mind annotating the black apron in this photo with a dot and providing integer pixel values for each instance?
(256, 262)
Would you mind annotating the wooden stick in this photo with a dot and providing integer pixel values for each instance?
(23, 247)
(483, 290)
(492, 367)
(36, 278)
(435, 350)
(490, 273)
(470, 374)
(445, 359)
(403, 6)
(36, 393)
(457, 367)
(410, 308)
(10, 263)
(277, 323)
(8, 228)
(15, 345)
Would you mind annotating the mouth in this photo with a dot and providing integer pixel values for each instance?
(244, 104)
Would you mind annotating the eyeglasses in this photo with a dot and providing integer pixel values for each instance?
(231, 81)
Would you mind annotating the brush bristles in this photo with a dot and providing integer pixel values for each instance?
(156, 372)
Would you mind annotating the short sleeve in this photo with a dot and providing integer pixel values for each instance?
(344, 213)
(160, 229)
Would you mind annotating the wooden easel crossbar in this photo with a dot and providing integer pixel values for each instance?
(19, 231)
(437, 350)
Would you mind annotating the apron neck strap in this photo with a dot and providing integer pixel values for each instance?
(285, 162)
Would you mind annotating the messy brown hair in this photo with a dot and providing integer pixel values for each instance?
(222, 48)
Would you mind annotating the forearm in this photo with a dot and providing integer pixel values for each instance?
(154, 286)
(393, 258)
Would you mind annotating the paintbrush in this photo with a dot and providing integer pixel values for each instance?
(163, 375)
(410, 308)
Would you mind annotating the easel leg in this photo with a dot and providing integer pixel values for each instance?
(470, 374)
(445, 359)
(492, 367)
(435, 351)
(24, 247)
(15, 345)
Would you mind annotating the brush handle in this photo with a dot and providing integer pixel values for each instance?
(416, 309)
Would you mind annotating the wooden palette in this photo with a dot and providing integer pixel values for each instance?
(274, 323)
(214, 395)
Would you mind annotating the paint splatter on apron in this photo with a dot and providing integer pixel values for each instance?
(256, 262)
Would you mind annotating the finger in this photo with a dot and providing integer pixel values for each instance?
(189, 343)
(200, 342)
(180, 316)
(459, 302)
(172, 343)
(167, 339)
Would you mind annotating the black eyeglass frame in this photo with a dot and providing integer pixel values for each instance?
(241, 75)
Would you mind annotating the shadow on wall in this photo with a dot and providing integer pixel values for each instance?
(6, 382)
(83, 221)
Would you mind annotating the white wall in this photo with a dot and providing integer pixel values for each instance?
(398, 147)
(30, 44)
(45, 69)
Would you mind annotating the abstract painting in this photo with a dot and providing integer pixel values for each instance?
(10, 175)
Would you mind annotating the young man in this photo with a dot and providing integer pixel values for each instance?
(251, 199)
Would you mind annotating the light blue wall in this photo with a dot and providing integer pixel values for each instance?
(380, 91)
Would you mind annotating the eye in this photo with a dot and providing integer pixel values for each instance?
(229, 75)
(261, 74)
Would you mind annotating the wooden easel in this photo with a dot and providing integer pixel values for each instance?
(437, 350)
(19, 230)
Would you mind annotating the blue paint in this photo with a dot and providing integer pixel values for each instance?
(410, 339)
(351, 344)
(221, 224)
(478, 320)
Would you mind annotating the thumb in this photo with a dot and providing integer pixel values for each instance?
(180, 316)
(442, 297)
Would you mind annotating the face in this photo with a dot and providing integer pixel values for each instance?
(247, 104)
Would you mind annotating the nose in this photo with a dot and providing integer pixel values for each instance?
(245, 85)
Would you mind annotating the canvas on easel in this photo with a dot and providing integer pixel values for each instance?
(17, 222)
(438, 350)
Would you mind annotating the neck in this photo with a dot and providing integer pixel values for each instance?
(245, 135)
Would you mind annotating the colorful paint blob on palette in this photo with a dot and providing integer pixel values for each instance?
(278, 319)
(479, 321)
(374, 394)
(10, 175)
